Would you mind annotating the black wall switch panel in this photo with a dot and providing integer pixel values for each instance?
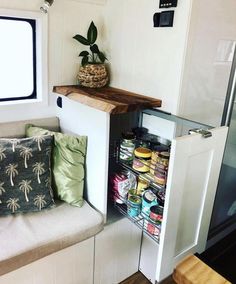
(163, 19)
(156, 20)
(168, 3)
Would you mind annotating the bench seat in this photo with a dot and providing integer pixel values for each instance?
(25, 238)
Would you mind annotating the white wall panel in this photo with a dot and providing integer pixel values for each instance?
(145, 59)
(65, 19)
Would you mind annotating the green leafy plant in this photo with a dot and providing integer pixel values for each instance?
(95, 56)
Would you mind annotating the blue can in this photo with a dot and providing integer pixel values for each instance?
(149, 199)
(134, 205)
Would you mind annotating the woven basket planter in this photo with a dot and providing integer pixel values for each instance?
(93, 75)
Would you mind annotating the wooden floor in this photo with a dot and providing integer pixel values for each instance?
(139, 278)
(220, 257)
(193, 270)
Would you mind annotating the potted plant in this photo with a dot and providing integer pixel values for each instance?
(93, 71)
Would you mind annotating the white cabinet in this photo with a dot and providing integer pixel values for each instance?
(117, 252)
(192, 178)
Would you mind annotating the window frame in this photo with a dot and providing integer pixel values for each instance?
(40, 45)
(32, 23)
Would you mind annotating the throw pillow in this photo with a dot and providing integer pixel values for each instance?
(25, 180)
(67, 164)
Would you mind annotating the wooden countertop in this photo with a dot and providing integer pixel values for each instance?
(108, 99)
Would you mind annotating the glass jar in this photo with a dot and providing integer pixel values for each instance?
(127, 147)
(156, 213)
(156, 151)
(163, 159)
(142, 160)
(134, 205)
(149, 199)
(161, 168)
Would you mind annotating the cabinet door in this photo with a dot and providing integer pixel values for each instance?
(117, 250)
(192, 180)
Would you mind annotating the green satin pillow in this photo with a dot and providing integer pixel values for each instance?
(67, 164)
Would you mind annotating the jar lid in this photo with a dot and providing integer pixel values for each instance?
(160, 148)
(142, 152)
(135, 199)
(140, 131)
(129, 135)
(149, 196)
(165, 155)
(155, 209)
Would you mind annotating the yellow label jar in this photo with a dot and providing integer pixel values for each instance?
(161, 169)
(142, 160)
(155, 156)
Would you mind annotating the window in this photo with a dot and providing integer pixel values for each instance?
(23, 57)
(18, 59)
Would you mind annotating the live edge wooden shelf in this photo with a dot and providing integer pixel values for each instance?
(108, 99)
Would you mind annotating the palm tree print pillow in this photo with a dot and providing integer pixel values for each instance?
(25, 180)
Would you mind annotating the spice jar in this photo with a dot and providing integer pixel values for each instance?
(142, 160)
(127, 147)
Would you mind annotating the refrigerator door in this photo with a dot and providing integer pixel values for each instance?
(224, 211)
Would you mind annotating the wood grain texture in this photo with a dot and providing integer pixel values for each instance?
(139, 278)
(108, 99)
(193, 271)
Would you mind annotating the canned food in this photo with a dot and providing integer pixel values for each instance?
(155, 156)
(154, 229)
(142, 185)
(148, 200)
(132, 192)
(141, 162)
(160, 176)
(134, 205)
(163, 159)
(156, 213)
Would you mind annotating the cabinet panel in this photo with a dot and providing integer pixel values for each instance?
(117, 251)
(148, 258)
(193, 174)
(194, 193)
(73, 265)
(83, 120)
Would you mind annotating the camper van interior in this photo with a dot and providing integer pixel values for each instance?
(117, 140)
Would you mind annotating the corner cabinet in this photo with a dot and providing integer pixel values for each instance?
(194, 165)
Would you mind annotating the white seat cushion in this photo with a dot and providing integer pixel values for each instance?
(27, 237)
